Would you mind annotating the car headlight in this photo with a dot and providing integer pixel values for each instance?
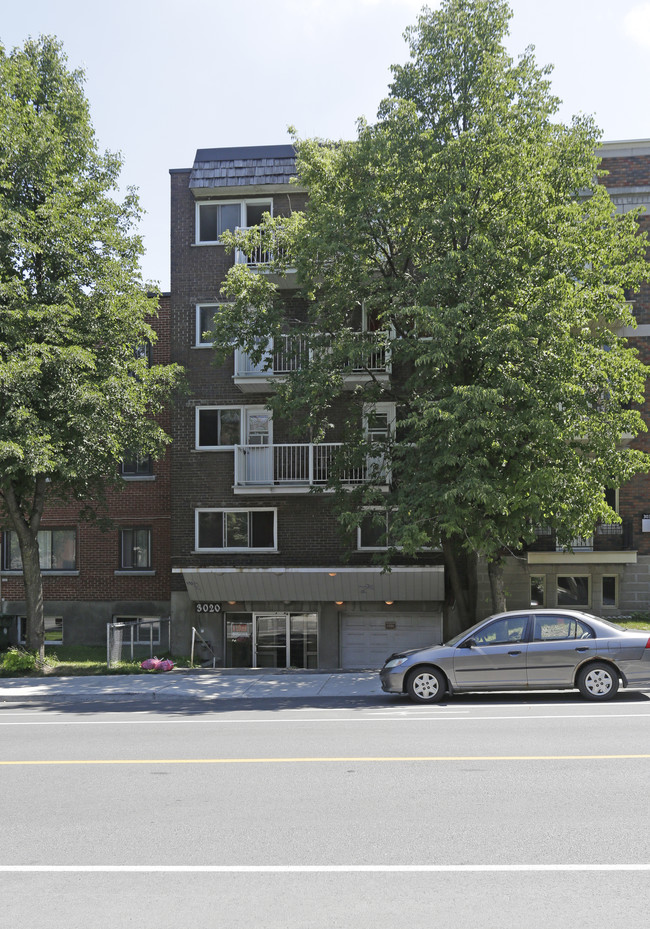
(395, 661)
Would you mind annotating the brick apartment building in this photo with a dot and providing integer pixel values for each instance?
(289, 590)
(226, 536)
(608, 573)
(259, 565)
(92, 577)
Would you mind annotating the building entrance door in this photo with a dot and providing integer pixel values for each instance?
(285, 640)
(270, 640)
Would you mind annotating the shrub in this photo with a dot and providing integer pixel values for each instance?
(17, 660)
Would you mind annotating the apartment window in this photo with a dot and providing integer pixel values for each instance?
(144, 351)
(218, 427)
(610, 590)
(138, 466)
(214, 218)
(219, 530)
(573, 590)
(57, 550)
(537, 590)
(135, 549)
(204, 319)
(373, 532)
(379, 422)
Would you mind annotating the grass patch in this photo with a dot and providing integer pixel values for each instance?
(633, 624)
(88, 660)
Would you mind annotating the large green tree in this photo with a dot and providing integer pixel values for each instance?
(471, 227)
(76, 392)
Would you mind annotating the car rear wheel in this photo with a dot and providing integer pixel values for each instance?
(598, 682)
(426, 685)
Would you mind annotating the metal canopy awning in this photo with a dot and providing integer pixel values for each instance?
(329, 584)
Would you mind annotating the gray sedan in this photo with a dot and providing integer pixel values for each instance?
(525, 650)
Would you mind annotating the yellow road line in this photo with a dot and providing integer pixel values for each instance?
(323, 760)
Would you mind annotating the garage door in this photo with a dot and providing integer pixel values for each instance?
(367, 639)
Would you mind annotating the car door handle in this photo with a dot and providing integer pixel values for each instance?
(582, 648)
(514, 653)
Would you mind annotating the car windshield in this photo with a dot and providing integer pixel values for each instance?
(461, 635)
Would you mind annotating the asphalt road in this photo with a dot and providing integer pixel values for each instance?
(487, 812)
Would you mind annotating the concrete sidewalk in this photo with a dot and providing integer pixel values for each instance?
(206, 684)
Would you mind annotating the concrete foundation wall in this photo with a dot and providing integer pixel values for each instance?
(84, 622)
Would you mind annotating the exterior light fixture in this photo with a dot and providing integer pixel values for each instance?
(339, 602)
(232, 602)
(389, 602)
(332, 573)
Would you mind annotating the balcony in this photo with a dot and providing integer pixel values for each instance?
(297, 468)
(291, 353)
(260, 256)
(611, 542)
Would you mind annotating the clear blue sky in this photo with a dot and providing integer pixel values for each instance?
(165, 78)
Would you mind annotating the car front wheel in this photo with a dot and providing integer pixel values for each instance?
(426, 685)
(598, 682)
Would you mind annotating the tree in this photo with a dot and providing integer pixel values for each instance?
(471, 227)
(76, 393)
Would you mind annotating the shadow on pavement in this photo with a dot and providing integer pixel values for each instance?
(219, 705)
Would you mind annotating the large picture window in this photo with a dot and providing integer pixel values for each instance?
(573, 590)
(218, 427)
(214, 218)
(57, 550)
(219, 530)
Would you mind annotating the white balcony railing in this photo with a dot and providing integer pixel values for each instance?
(305, 465)
(579, 544)
(291, 353)
(261, 254)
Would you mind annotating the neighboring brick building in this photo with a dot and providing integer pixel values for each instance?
(608, 573)
(259, 564)
(91, 577)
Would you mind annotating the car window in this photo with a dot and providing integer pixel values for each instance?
(501, 631)
(549, 628)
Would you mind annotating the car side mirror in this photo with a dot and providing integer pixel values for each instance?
(468, 643)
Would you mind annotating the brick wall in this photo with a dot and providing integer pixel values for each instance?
(137, 503)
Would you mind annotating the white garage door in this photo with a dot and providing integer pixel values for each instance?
(367, 639)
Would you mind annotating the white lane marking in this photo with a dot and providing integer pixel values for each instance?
(318, 869)
(332, 719)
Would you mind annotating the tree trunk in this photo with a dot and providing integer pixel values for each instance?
(33, 595)
(497, 588)
(461, 583)
(26, 524)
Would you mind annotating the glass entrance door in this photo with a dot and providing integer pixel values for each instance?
(271, 640)
(283, 640)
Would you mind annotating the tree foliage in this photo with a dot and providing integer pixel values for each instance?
(472, 227)
(76, 392)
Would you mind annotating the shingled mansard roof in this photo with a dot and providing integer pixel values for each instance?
(234, 167)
